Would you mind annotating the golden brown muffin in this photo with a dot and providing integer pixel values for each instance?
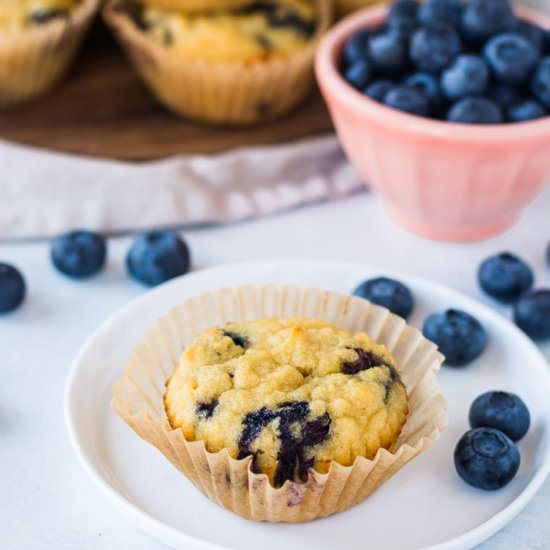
(39, 39)
(237, 67)
(197, 5)
(293, 393)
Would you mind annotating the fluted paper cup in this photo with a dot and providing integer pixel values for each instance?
(235, 93)
(138, 400)
(33, 60)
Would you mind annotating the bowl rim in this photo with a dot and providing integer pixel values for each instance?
(332, 84)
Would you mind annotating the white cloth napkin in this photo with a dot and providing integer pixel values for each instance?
(44, 193)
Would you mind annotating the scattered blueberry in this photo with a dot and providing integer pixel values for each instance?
(511, 57)
(525, 110)
(157, 256)
(460, 337)
(378, 89)
(408, 99)
(467, 76)
(441, 11)
(12, 288)
(429, 86)
(434, 47)
(387, 293)
(359, 73)
(482, 19)
(388, 53)
(475, 110)
(504, 94)
(505, 277)
(532, 314)
(503, 411)
(355, 48)
(79, 254)
(403, 29)
(540, 84)
(486, 458)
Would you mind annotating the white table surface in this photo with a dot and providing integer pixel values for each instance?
(47, 501)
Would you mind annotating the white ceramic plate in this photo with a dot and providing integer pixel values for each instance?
(424, 505)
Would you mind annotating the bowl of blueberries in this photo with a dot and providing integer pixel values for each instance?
(443, 108)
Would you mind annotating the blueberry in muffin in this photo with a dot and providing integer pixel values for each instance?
(293, 394)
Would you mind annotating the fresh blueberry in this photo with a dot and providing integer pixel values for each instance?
(408, 100)
(434, 47)
(429, 86)
(157, 256)
(486, 458)
(482, 19)
(540, 84)
(504, 94)
(505, 277)
(533, 33)
(467, 76)
(378, 89)
(460, 337)
(388, 53)
(388, 293)
(503, 411)
(532, 314)
(511, 57)
(12, 288)
(355, 49)
(475, 110)
(79, 254)
(525, 110)
(359, 73)
(403, 10)
(441, 11)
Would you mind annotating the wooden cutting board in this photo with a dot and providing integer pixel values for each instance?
(103, 110)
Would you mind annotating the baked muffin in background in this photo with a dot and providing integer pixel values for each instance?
(345, 7)
(197, 5)
(38, 41)
(237, 67)
(293, 393)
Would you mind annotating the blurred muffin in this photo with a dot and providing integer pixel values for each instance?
(224, 66)
(38, 41)
(345, 7)
(197, 5)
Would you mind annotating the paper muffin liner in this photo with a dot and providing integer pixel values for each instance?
(344, 7)
(197, 5)
(235, 93)
(138, 400)
(34, 59)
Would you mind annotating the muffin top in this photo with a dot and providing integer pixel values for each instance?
(18, 14)
(262, 30)
(293, 393)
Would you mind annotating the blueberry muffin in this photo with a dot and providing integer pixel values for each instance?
(39, 39)
(197, 5)
(224, 66)
(19, 14)
(293, 393)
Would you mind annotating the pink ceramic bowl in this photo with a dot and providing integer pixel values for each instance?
(444, 181)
